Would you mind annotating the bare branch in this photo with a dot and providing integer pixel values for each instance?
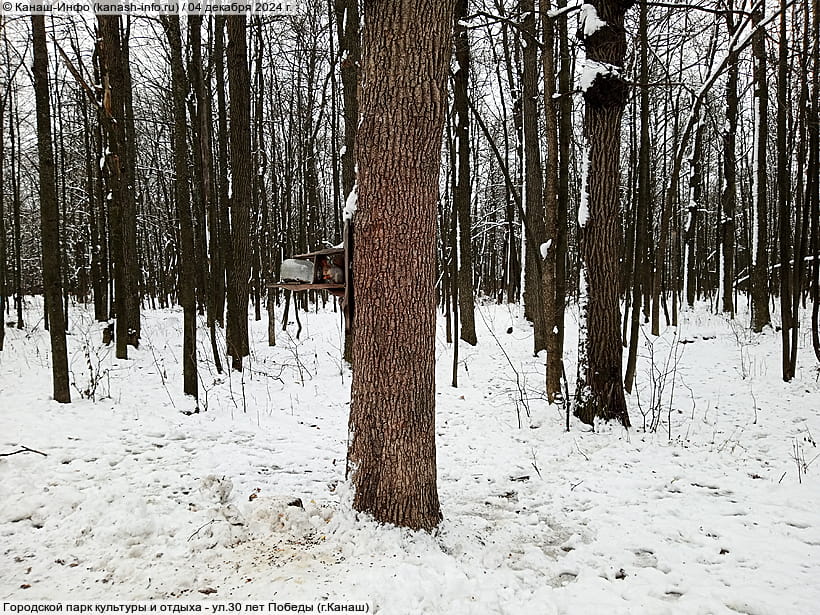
(25, 449)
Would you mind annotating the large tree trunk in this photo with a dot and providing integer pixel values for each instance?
(49, 216)
(392, 415)
(240, 200)
(600, 391)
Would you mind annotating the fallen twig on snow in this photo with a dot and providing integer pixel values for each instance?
(25, 449)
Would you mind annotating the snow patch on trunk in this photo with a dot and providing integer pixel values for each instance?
(590, 22)
(351, 203)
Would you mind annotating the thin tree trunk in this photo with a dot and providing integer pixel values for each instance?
(129, 206)
(202, 195)
(210, 203)
(533, 182)
(3, 249)
(565, 87)
(760, 231)
(462, 191)
(112, 114)
(693, 214)
(224, 265)
(258, 174)
(49, 216)
(806, 175)
(347, 20)
(813, 202)
(548, 250)
(729, 195)
(182, 197)
(784, 199)
(16, 221)
(239, 84)
(640, 282)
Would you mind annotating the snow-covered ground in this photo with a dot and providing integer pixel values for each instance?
(718, 511)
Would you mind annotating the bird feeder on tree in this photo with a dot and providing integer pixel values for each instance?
(330, 269)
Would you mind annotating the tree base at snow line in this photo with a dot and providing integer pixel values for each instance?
(607, 404)
(390, 503)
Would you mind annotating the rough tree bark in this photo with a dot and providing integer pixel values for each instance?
(600, 391)
(392, 415)
(49, 216)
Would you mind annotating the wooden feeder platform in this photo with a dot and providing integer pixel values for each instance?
(331, 271)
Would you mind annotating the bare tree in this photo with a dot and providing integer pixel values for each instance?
(112, 117)
(462, 192)
(182, 197)
(49, 216)
(240, 200)
(533, 177)
(760, 232)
